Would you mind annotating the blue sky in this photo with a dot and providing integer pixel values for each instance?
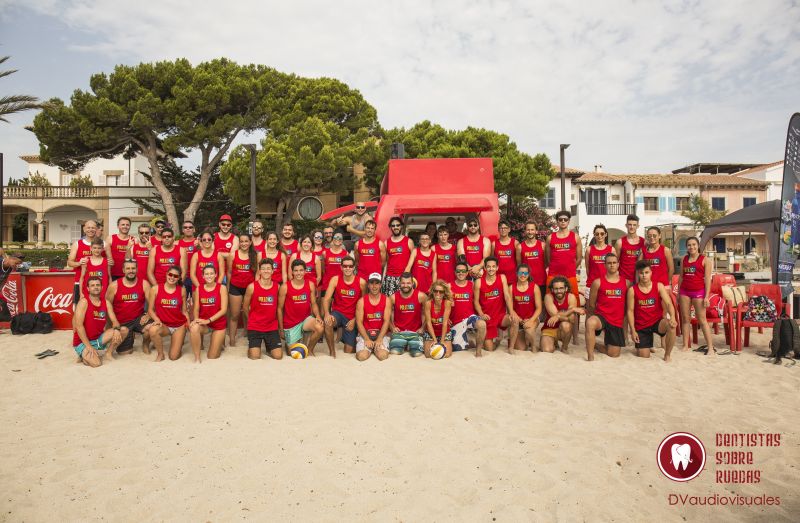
(636, 87)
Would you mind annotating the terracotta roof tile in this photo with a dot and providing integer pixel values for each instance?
(758, 168)
(672, 180)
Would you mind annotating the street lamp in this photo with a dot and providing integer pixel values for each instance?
(252, 148)
(563, 180)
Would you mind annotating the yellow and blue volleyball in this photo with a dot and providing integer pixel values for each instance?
(437, 351)
(298, 350)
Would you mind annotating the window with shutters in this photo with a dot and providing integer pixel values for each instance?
(747, 202)
(682, 203)
(549, 201)
(718, 203)
(650, 203)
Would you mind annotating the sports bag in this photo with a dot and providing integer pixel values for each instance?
(23, 323)
(760, 309)
(785, 338)
(43, 323)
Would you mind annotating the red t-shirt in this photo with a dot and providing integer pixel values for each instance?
(94, 321)
(373, 314)
(533, 257)
(647, 310)
(297, 304)
(658, 264)
(169, 306)
(223, 245)
(694, 274)
(628, 256)
(473, 251)
(84, 250)
(492, 301)
(291, 247)
(506, 259)
(119, 250)
(332, 265)
(141, 253)
(128, 302)
(345, 297)
(190, 246)
(564, 305)
(407, 312)
(210, 304)
(241, 272)
(445, 262)
(562, 255)
(524, 302)
(163, 261)
(422, 269)
(397, 255)
(101, 270)
(369, 257)
(437, 318)
(597, 263)
(263, 315)
(611, 300)
(463, 306)
(203, 262)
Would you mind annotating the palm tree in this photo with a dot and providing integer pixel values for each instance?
(15, 103)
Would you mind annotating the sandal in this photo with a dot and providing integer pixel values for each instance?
(47, 353)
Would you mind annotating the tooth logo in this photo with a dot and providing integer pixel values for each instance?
(681, 456)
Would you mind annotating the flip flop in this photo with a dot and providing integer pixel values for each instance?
(723, 352)
(51, 353)
(43, 352)
(701, 348)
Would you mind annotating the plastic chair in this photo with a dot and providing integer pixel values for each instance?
(727, 320)
(674, 299)
(771, 291)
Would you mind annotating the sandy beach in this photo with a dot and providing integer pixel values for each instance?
(529, 437)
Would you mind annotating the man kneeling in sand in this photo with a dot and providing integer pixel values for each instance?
(561, 310)
(650, 312)
(372, 321)
(92, 341)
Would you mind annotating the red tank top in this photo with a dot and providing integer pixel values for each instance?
(524, 302)
(562, 255)
(311, 267)
(345, 297)
(297, 305)
(84, 250)
(369, 257)
(333, 266)
(241, 274)
(291, 247)
(407, 312)
(373, 314)
(437, 318)
(154, 240)
(261, 248)
(119, 250)
(141, 253)
(223, 245)
(94, 321)
(100, 270)
(628, 256)
(397, 255)
(277, 259)
(611, 300)
(210, 304)
(169, 306)
(263, 315)
(128, 302)
(163, 261)
(445, 262)
(506, 259)
(560, 307)
(658, 264)
(473, 251)
(463, 306)
(694, 274)
(533, 257)
(190, 246)
(491, 299)
(423, 270)
(203, 261)
(647, 308)
(597, 263)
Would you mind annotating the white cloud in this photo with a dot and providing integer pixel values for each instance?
(633, 85)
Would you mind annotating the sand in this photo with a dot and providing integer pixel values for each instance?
(541, 437)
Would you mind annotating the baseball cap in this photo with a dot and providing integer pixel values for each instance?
(375, 276)
(225, 217)
(162, 222)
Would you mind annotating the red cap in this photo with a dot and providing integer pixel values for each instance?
(226, 217)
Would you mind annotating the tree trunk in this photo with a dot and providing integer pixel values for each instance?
(207, 166)
(152, 153)
(287, 205)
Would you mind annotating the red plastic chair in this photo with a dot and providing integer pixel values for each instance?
(728, 314)
(674, 298)
(771, 291)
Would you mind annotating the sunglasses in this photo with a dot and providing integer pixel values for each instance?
(173, 275)
(395, 225)
(438, 291)
(188, 226)
(599, 234)
(348, 266)
(159, 226)
(337, 237)
(359, 207)
(521, 274)
(129, 260)
(317, 237)
(461, 271)
(207, 239)
(225, 224)
(472, 225)
(167, 237)
(563, 219)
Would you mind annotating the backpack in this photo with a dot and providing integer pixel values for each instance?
(43, 323)
(761, 309)
(716, 307)
(785, 338)
(23, 323)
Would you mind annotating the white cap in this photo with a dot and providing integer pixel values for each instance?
(374, 276)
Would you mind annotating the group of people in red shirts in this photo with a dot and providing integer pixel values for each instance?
(381, 297)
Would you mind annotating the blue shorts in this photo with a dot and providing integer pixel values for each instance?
(96, 345)
(348, 336)
(400, 341)
(294, 334)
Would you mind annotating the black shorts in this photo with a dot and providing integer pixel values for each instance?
(646, 336)
(271, 339)
(235, 290)
(613, 335)
(134, 327)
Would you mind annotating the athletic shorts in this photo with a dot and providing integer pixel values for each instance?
(96, 344)
(235, 290)
(294, 334)
(447, 337)
(270, 339)
(698, 294)
(646, 336)
(552, 333)
(360, 345)
(405, 339)
(348, 336)
(134, 327)
(613, 335)
(460, 330)
(391, 284)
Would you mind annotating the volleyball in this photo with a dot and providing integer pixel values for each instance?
(437, 351)
(298, 350)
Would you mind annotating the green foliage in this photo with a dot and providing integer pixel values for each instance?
(46, 257)
(700, 211)
(516, 173)
(80, 182)
(183, 183)
(32, 180)
(15, 103)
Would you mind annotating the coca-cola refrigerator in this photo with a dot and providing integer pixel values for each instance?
(49, 292)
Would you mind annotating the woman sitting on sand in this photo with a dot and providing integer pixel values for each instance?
(210, 313)
(167, 308)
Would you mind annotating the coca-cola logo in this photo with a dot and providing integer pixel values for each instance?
(10, 296)
(48, 301)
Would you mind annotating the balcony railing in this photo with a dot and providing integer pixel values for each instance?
(614, 209)
(52, 192)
